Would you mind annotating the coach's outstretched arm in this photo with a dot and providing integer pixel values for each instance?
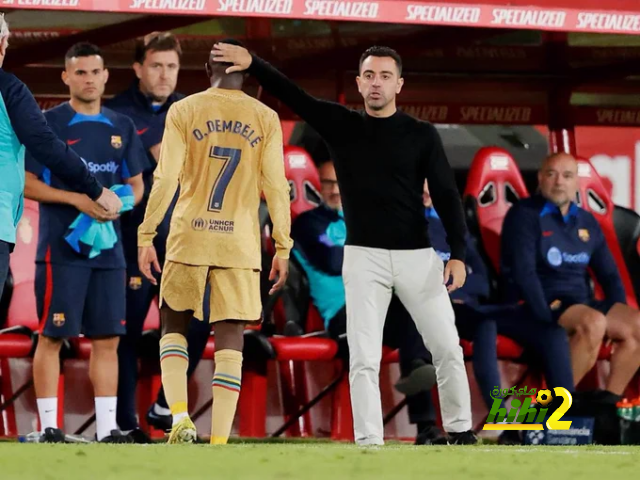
(519, 245)
(32, 130)
(320, 114)
(276, 191)
(165, 184)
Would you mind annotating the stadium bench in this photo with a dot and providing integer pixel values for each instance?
(594, 197)
(626, 223)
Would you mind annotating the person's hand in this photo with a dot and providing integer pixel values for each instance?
(109, 201)
(279, 268)
(93, 209)
(238, 56)
(147, 257)
(455, 271)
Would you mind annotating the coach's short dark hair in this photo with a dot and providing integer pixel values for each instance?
(83, 49)
(157, 42)
(378, 51)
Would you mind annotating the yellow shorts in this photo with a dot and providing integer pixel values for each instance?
(235, 292)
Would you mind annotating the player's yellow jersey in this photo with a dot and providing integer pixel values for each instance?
(223, 148)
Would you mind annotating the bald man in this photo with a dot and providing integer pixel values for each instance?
(548, 245)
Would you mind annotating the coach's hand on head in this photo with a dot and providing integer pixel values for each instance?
(226, 53)
(455, 271)
(93, 209)
(279, 268)
(109, 201)
(147, 257)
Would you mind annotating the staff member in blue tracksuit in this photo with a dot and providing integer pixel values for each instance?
(548, 243)
(22, 124)
(77, 293)
(146, 102)
(319, 237)
(480, 322)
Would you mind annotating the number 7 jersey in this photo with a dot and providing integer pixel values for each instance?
(222, 148)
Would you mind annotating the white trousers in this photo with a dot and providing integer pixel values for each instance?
(370, 277)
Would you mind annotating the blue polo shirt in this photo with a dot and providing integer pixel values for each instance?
(149, 121)
(112, 152)
(546, 256)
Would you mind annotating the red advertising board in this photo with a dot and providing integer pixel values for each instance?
(542, 15)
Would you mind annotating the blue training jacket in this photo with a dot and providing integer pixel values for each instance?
(22, 124)
(546, 256)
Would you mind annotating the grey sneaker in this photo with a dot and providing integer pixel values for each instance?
(420, 379)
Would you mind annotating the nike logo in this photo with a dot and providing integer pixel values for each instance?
(140, 132)
(73, 142)
(49, 411)
(547, 233)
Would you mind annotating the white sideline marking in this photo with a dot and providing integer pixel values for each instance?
(535, 449)
(454, 448)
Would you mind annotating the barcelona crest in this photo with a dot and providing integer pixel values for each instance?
(58, 319)
(135, 283)
(583, 234)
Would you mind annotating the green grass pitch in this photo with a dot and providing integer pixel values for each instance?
(313, 461)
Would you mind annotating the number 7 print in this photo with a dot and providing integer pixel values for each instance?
(231, 159)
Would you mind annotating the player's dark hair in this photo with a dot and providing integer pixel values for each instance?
(83, 49)
(378, 51)
(230, 41)
(157, 42)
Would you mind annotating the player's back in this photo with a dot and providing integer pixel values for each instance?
(215, 221)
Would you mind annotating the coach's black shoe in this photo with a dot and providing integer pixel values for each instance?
(463, 438)
(137, 435)
(431, 435)
(159, 422)
(117, 437)
(52, 435)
